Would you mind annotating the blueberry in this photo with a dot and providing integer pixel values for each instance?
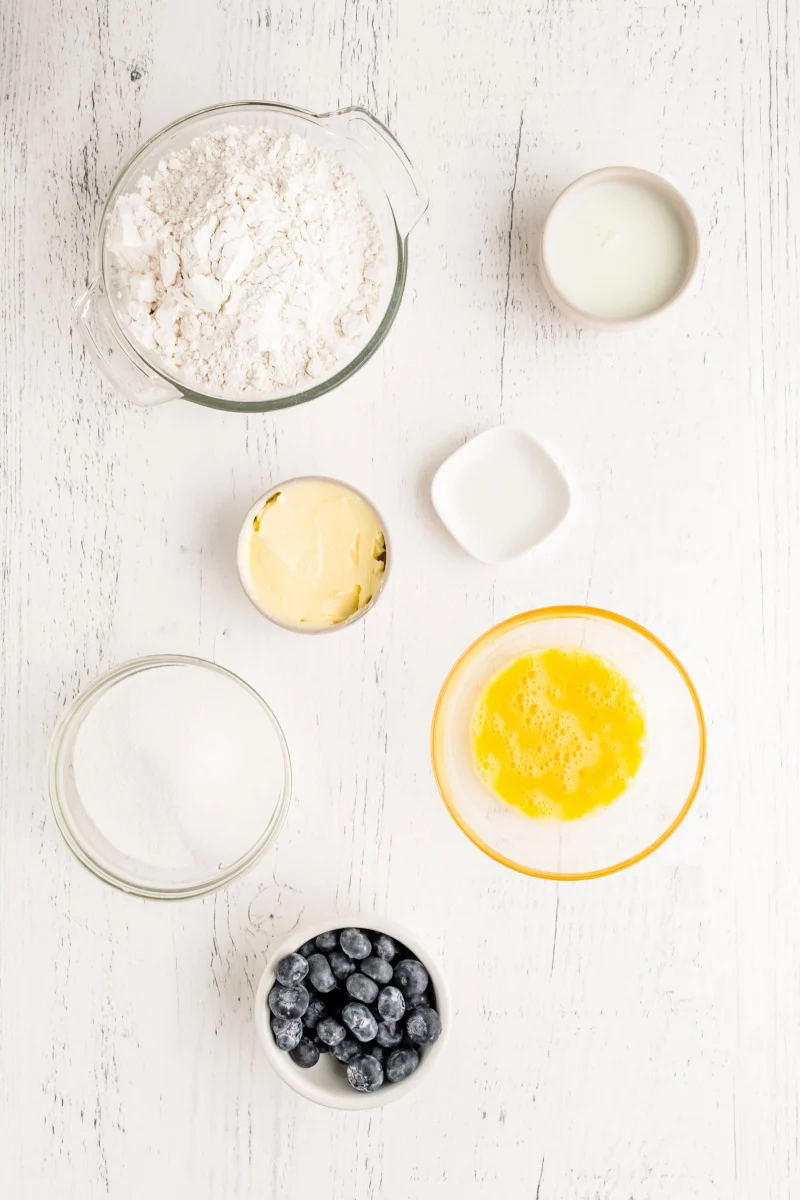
(360, 1021)
(307, 948)
(416, 1001)
(400, 1064)
(305, 1053)
(384, 947)
(288, 1032)
(365, 1073)
(321, 1046)
(326, 941)
(346, 1051)
(375, 1050)
(291, 969)
(361, 988)
(331, 1031)
(288, 1001)
(355, 943)
(377, 968)
(423, 1026)
(389, 1035)
(316, 1009)
(341, 965)
(391, 1004)
(320, 976)
(411, 977)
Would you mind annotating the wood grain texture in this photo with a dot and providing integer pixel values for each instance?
(629, 1039)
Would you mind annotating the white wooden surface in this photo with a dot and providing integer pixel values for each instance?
(629, 1039)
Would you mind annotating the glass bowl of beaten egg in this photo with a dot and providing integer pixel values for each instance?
(568, 743)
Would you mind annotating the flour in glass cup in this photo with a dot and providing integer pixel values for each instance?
(178, 768)
(249, 263)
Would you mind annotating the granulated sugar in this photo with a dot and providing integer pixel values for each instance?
(179, 768)
(249, 262)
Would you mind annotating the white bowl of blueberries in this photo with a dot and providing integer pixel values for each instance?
(355, 1015)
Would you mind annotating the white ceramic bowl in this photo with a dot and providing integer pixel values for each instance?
(658, 186)
(243, 558)
(326, 1083)
(500, 494)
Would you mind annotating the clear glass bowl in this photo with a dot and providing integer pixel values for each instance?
(152, 842)
(609, 839)
(387, 180)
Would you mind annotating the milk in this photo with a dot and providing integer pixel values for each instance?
(616, 249)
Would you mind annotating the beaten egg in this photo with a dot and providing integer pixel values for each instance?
(558, 733)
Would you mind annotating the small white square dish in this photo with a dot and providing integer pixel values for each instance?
(500, 494)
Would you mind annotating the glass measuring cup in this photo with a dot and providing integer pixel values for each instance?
(365, 148)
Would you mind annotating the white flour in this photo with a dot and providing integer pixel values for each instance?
(179, 769)
(249, 262)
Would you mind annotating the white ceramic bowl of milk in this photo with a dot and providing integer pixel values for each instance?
(619, 246)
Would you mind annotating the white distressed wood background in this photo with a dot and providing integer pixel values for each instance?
(629, 1039)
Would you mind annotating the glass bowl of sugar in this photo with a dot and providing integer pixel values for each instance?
(169, 777)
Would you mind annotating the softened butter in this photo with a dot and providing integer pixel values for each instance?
(317, 553)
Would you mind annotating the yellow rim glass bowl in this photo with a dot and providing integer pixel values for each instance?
(611, 838)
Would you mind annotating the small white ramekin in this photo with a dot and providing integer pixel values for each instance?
(681, 208)
(243, 557)
(326, 1083)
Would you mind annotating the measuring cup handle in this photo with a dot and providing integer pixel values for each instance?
(92, 315)
(386, 156)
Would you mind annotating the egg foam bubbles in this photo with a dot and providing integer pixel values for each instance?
(558, 733)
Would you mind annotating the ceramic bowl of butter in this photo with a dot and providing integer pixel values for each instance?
(251, 257)
(313, 554)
